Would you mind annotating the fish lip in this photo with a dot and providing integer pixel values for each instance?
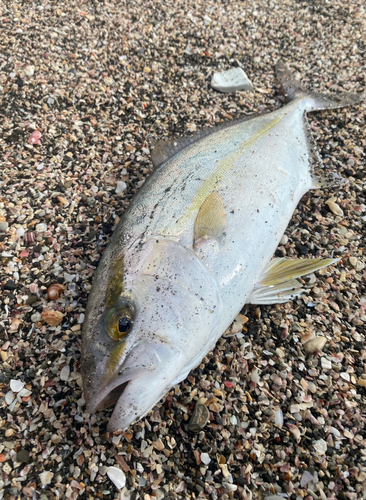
(95, 401)
(128, 371)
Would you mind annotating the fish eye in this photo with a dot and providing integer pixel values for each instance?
(124, 324)
(119, 321)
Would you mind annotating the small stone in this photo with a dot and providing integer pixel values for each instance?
(120, 187)
(4, 227)
(314, 345)
(231, 80)
(199, 418)
(117, 477)
(16, 385)
(9, 432)
(158, 444)
(23, 456)
(345, 376)
(361, 382)
(205, 458)
(46, 478)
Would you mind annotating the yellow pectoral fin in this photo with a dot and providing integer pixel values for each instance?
(211, 219)
(278, 280)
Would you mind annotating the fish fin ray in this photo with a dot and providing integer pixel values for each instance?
(211, 220)
(279, 270)
(278, 282)
(276, 294)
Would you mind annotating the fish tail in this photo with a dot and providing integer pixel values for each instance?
(292, 89)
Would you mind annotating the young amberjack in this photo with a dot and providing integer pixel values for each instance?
(194, 246)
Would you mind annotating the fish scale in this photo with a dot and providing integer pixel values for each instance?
(194, 246)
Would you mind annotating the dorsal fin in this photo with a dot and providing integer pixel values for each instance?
(210, 221)
(164, 149)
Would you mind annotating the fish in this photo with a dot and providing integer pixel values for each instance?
(194, 246)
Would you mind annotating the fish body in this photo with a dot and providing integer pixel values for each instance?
(193, 247)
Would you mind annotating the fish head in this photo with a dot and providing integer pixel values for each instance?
(150, 319)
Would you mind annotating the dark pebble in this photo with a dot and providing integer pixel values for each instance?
(23, 456)
(240, 481)
(31, 299)
(10, 285)
(199, 418)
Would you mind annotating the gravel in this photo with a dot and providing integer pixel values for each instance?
(83, 88)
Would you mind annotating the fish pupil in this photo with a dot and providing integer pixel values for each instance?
(124, 324)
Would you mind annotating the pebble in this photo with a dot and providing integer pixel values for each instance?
(199, 418)
(231, 80)
(117, 476)
(315, 344)
(284, 239)
(4, 226)
(23, 456)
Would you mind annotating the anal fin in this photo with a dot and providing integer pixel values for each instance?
(278, 282)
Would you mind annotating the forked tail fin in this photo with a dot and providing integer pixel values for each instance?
(292, 89)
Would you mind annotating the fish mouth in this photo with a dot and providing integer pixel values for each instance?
(112, 397)
(143, 378)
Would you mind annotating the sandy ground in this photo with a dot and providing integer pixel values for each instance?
(83, 85)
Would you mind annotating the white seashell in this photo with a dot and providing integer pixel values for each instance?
(345, 376)
(279, 417)
(321, 446)
(29, 70)
(326, 364)
(9, 397)
(46, 478)
(41, 228)
(205, 458)
(306, 478)
(231, 80)
(117, 476)
(24, 393)
(121, 186)
(16, 385)
(65, 372)
(254, 377)
(336, 209)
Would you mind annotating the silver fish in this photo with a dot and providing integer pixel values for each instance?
(194, 246)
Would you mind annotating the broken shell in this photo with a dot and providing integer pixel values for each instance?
(316, 344)
(336, 209)
(53, 291)
(30, 238)
(51, 317)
